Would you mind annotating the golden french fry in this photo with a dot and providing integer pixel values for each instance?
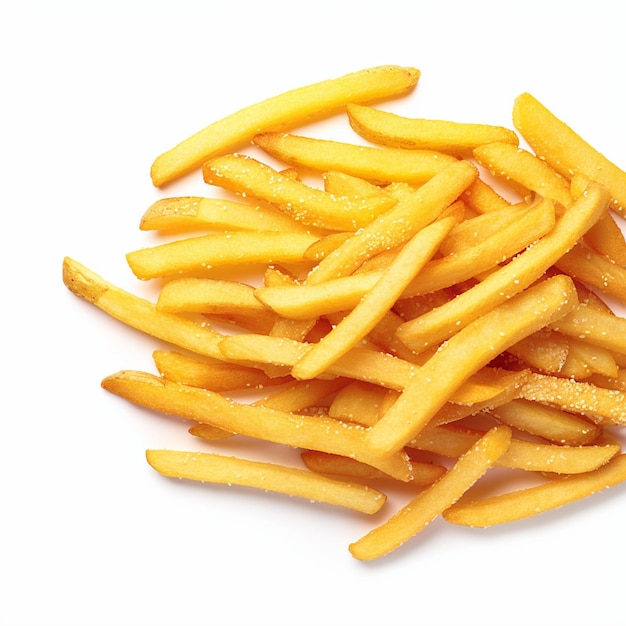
(342, 184)
(601, 406)
(213, 375)
(427, 505)
(197, 254)
(424, 474)
(300, 395)
(464, 354)
(279, 112)
(208, 295)
(139, 313)
(504, 283)
(518, 505)
(453, 440)
(215, 468)
(483, 198)
(358, 402)
(314, 207)
(566, 151)
(544, 350)
(372, 164)
(547, 422)
(584, 360)
(396, 131)
(195, 213)
(375, 303)
(267, 424)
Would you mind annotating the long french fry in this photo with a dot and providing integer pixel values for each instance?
(215, 468)
(313, 433)
(396, 131)
(139, 313)
(464, 354)
(518, 505)
(373, 164)
(282, 111)
(427, 505)
(441, 323)
(196, 254)
(566, 151)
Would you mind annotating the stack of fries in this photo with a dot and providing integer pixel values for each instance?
(435, 307)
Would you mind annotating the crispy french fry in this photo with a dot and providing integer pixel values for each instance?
(342, 184)
(139, 313)
(464, 354)
(279, 112)
(197, 254)
(518, 505)
(314, 207)
(549, 423)
(522, 271)
(545, 350)
(255, 421)
(454, 440)
(396, 131)
(602, 406)
(300, 395)
(424, 474)
(566, 151)
(214, 375)
(483, 198)
(373, 164)
(375, 303)
(427, 505)
(195, 213)
(215, 468)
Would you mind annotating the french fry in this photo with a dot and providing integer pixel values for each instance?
(545, 350)
(375, 303)
(208, 295)
(428, 504)
(195, 213)
(314, 207)
(566, 151)
(279, 112)
(139, 313)
(197, 254)
(547, 422)
(504, 283)
(214, 375)
(300, 395)
(454, 440)
(342, 184)
(464, 354)
(267, 424)
(214, 468)
(424, 474)
(483, 198)
(372, 164)
(601, 406)
(396, 131)
(525, 503)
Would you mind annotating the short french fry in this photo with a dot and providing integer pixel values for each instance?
(518, 505)
(464, 354)
(280, 112)
(310, 206)
(375, 303)
(566, 151)
(601, 406)
(139, 313)
(215, 468)
(290, 429)
(214, 375)
(547, 422)
(396, 131)
(424, 474)
(373, 164)
(427, 505)
(441, 323)
(197, 254)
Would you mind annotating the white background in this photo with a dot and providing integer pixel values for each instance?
(89, 533)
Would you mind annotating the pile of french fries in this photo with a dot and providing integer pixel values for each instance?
(430, 304)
